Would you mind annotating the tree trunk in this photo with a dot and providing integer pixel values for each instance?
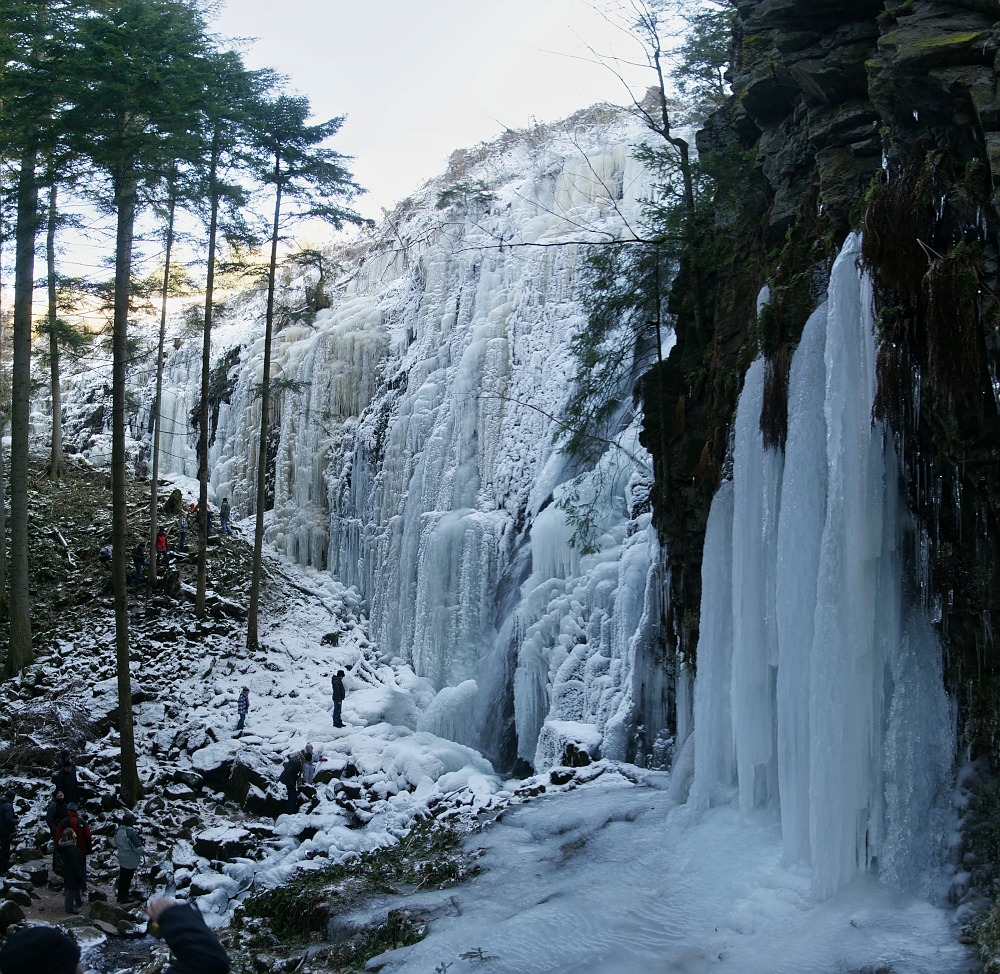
(265, 397)
(153, 498)
(4, 602)
(126, 200)
(57, 462)
(20, 651)
(206, 371)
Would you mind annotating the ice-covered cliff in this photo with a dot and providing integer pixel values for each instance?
(414, 458)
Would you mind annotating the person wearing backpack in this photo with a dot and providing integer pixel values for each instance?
(8, 826)
(54, 814)
(74, 870)
(77, 822)
(339, 693)
(129, 845)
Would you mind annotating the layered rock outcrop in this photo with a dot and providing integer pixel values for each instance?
(884, 117)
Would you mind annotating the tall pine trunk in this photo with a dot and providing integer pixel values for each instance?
(206, 372)
(20, 651)
(57, 462)
(126, 201)
(153, 497)
(265, 401)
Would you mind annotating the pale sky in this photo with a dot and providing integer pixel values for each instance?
(421, 78)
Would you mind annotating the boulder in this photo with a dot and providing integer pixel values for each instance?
(10, 913)
(223, 842)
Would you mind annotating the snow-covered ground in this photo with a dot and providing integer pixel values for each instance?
(608, 873)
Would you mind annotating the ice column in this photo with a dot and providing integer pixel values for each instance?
(837, 703)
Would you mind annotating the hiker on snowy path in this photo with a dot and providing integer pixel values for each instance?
(129, 844)
(339, 692)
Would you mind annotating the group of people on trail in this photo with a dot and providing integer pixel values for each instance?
(73, 840)
(299, 767)
(48, 950)
(185, 519)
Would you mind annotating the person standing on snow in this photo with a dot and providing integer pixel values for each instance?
(129, 844)
(242, 706)
(224, 516)
(339, 692)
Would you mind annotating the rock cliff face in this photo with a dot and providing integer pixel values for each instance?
(884, 117)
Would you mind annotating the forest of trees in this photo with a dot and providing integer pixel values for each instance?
(135, 110)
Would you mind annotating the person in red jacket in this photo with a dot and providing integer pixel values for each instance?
(162, 559)
(77, 821)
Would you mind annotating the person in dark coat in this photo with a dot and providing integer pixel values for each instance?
(8, 826)
(54, 814)
(195, 948)
(74, 871)
(34, 950)
(65, 779)
(224, 516)
(290, 775)
(339, 692)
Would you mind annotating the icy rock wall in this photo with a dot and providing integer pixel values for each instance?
(415, 458)
(819, 689)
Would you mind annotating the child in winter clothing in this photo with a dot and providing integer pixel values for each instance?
(74, 870)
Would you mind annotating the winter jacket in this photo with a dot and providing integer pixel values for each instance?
(55, 813)
(224, 510)
(196, 949)
(129, 844)
(339, 692)
(243, 704)
(78, 824)
(74, 865)
(161, 542)
(65, 781)
(290, 773)
(8, 817)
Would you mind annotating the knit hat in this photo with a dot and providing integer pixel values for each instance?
(72, 806)
(39, 950)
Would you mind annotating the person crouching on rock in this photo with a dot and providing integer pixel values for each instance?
(290, 775)
(196, 949)
(129, 844)
(35, 950)
(74, 873)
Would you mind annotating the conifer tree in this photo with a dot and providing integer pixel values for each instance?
(313, 178)
(31, 87)
(232, 109)
(140, 82)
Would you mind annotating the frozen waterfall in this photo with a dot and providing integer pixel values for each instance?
(819, 688)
